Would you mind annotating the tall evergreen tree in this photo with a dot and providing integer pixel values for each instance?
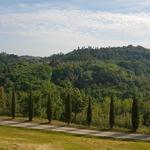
(89, 113)
(30, 106)
(13, 104)
(111, 113)
(135, 114)
(49, 108)
(68, 109)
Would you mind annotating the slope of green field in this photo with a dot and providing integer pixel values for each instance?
(24, 139)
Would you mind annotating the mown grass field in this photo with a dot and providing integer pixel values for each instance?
(26, 139)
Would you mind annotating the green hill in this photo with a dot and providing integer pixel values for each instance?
(94, 72)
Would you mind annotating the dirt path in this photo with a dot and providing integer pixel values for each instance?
(116, 135)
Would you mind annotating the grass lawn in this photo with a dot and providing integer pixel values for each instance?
(26, 139)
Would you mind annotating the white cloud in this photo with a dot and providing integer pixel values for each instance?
(66, 29)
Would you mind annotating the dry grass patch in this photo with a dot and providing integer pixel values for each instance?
(26, 139)
(26, 146)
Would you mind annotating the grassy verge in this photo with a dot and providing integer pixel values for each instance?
(26, 139)
(143, 130)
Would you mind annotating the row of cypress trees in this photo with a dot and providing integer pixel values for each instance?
(68, 110)
(134, 115)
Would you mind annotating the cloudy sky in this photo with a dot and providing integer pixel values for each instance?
(44, 27)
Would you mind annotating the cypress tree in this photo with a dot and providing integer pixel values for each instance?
(89, 113)
(111, 113)
(13, 104)
(135, 114)
(49, 108)
(68, 109)
(30, 106)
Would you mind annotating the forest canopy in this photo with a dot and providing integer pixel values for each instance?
(85, 72)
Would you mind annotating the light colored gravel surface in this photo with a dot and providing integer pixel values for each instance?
(116, 135)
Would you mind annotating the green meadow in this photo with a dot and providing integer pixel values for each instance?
(26, 139)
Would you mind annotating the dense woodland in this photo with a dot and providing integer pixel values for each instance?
(89, 79)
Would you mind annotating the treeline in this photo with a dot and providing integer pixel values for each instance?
(108, 54)
(69, 107)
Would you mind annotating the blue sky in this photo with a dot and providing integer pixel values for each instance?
(44, 27)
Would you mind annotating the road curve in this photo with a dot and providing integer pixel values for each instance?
(88, 132)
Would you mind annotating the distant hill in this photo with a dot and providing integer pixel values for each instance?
(111, 53)
(94, 70)
(31, 57)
